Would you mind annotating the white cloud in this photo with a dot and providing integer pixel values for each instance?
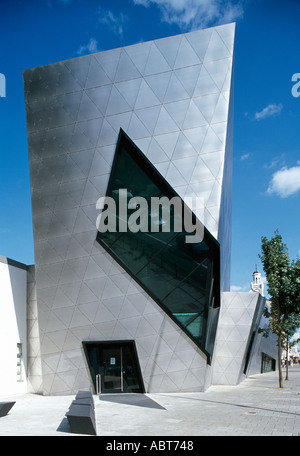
(269, 111)
(191, 14)
(90, 47)
(237, 288)
(113, 21)
(244, 157)
(276, 162)
(285, 182)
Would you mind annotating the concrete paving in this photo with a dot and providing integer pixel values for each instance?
(256, 407)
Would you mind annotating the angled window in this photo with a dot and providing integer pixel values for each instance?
(183, 278)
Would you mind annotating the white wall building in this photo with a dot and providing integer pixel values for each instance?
(13, 326)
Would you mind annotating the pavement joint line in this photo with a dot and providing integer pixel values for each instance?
(237, 405)
(256, 407)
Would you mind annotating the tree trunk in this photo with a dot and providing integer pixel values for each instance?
(287, 361)
(279, 362)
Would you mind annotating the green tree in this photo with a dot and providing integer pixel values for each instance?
(283, 278)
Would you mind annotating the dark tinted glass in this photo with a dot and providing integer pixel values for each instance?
(182, 278)
(117, 365)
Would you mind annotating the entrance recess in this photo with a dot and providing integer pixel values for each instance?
(116, 364)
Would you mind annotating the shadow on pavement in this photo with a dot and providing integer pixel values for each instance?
(64, 426)
(138, 400)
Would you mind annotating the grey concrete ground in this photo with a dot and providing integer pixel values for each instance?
(256, 407)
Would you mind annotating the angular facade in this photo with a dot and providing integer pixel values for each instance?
(130, 311)
(239, 349)
(183, 278)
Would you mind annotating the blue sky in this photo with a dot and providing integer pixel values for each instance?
(266, 179)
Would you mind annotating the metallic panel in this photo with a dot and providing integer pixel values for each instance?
(156, 92)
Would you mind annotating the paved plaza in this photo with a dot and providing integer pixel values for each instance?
(256, 407)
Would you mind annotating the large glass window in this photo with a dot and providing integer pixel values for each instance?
(183, 278)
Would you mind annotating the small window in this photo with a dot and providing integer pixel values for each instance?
(19, 362)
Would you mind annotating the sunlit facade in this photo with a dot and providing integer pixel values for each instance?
(123, 311)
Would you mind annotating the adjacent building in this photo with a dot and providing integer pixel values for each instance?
(13, 326)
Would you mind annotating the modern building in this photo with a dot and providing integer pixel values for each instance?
(134, 309)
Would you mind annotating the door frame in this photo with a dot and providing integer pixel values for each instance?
(121, 343)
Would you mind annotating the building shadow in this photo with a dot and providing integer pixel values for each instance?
(64, 426)
(135, 399)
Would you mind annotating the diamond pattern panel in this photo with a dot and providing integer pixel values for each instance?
(236, 321)
(171, 96)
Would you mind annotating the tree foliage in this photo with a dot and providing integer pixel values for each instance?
(283, 279)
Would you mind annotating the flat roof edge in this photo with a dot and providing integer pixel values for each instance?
(14, 263)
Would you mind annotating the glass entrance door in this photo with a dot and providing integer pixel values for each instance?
(112, 370)
(117, 365)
